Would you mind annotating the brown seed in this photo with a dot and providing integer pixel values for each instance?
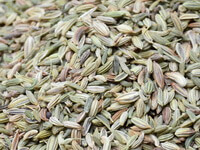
(79, 32)
(179, 89)
(15, 141)
(118, 114)
(158, 74)
(166, 115)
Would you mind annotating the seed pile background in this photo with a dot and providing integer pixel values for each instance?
(99, 74)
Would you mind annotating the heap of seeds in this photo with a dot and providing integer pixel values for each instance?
(99, 74)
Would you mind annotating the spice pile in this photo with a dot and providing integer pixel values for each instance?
(99, 75)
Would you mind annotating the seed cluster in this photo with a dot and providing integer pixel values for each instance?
(99, 74)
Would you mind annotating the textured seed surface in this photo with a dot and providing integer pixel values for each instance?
(99, 74)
